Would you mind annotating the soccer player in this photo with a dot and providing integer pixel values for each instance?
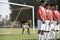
(26, 25)
(56, 20)
(51, 33)
(41, 18)
(49, 18)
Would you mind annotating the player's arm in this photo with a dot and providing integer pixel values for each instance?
(55, 19)
(59, 16)
(59, 19)
(51, 18)
(43, 19)
(54, 16)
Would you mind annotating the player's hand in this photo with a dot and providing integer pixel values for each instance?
(58, 22)
(51, 22)
(43, 22)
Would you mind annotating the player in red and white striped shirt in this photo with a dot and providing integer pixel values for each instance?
(49, 18)
(49, 15)
(41, 18)
(56, 16)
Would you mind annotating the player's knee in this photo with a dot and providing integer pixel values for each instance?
(57, 30)
(39, 31)
(42, 32)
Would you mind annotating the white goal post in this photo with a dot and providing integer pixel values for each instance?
(24, 6)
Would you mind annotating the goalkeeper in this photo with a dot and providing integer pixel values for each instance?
(26, 25)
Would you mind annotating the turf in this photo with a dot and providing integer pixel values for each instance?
(15, 34)
(17, 37)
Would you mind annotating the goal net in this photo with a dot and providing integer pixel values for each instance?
(12, 15)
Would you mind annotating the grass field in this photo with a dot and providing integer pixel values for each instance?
(16, 34)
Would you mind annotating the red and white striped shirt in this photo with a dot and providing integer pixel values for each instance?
(49, 14)
(56, 15)
(41, 13)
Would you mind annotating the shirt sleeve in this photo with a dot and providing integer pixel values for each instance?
(39, 10)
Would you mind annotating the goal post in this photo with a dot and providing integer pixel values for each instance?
(33, 17)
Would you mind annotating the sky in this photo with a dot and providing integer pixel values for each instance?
(4, 9)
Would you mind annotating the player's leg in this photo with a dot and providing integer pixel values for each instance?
(57, 30)
(43, 30)
(51, 33)
(47, 29)
(28, 30)
(53, 29)
(39, 23)
(23, 29)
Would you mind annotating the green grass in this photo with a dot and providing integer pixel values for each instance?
(17, 37)
(15, 34)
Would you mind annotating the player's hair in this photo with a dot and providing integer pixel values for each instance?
(52, 4)
(42, 1)
(55, 5)
(47, 4)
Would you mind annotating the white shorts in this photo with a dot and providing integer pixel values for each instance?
(40, 25)
(47, 27)
(25, 26)
(57, 27)
(43, 26)
(52, 26)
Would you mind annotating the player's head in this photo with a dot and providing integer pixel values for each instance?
(51, 6)
(47, 6)
(43, 3)
(56, 7)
